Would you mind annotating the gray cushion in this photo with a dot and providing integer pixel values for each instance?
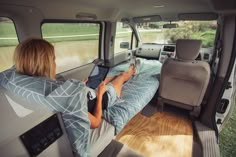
(128, 152)
(101, 137)
(115, 148)
(187, 49)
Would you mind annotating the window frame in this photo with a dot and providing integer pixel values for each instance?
(133, 35)
(17, 36)
(61, 21)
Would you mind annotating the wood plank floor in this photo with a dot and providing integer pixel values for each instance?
(162, 135)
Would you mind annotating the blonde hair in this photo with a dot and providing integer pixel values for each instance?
(35, 57)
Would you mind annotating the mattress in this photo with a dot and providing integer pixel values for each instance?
(136, 93)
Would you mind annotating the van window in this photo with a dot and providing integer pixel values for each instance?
(8, 42)
(156, 32)
(123, 38)
(76, 44)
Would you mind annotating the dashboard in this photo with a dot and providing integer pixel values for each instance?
(149, 50)
(167, 51)
(163, 51)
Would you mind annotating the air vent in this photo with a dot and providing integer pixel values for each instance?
(169, 48)
(206, 56)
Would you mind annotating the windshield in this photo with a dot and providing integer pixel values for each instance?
(154, 32)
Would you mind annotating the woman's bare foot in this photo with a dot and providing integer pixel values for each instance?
(132, 69)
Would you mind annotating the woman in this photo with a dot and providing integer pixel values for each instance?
(36, 57)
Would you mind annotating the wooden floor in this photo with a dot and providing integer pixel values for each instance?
(162, 135)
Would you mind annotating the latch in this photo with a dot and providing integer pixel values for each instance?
(229, 85)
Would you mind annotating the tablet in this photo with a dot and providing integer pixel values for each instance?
(97, 75)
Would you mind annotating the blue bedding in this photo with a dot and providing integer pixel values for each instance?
(136, 93)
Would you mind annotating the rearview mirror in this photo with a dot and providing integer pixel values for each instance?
(124, 45)
(170, 25)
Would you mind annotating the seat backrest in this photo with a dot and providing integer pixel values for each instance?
(18, 116)
(184, 80)
(67, 97)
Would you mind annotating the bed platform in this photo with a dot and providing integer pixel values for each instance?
(161, 135)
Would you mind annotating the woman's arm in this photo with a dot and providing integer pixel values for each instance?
(95, 118)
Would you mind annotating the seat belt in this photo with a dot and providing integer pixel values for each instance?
(218, 47)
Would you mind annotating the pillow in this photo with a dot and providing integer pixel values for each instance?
(67, 97)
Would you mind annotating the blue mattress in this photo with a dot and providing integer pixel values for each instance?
(136, 93)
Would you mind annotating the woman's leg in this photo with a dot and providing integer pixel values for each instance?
(109, 79)
(121, 78)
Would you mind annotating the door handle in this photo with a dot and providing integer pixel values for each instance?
(229, 85)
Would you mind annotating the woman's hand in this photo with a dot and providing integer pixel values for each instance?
(101, 89)
(85, 80)
(95, 118)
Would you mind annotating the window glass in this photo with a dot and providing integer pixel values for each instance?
(8, 42)
(75, 44)
(123, 37)
(156, 32)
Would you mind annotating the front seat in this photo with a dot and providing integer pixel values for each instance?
(184, 80)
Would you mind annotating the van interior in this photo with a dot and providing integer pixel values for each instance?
(175, 105)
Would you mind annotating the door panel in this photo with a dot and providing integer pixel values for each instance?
(227, 102)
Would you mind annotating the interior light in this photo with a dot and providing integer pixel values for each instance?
(158, 6)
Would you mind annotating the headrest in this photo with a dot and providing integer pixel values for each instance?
(187, 49)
